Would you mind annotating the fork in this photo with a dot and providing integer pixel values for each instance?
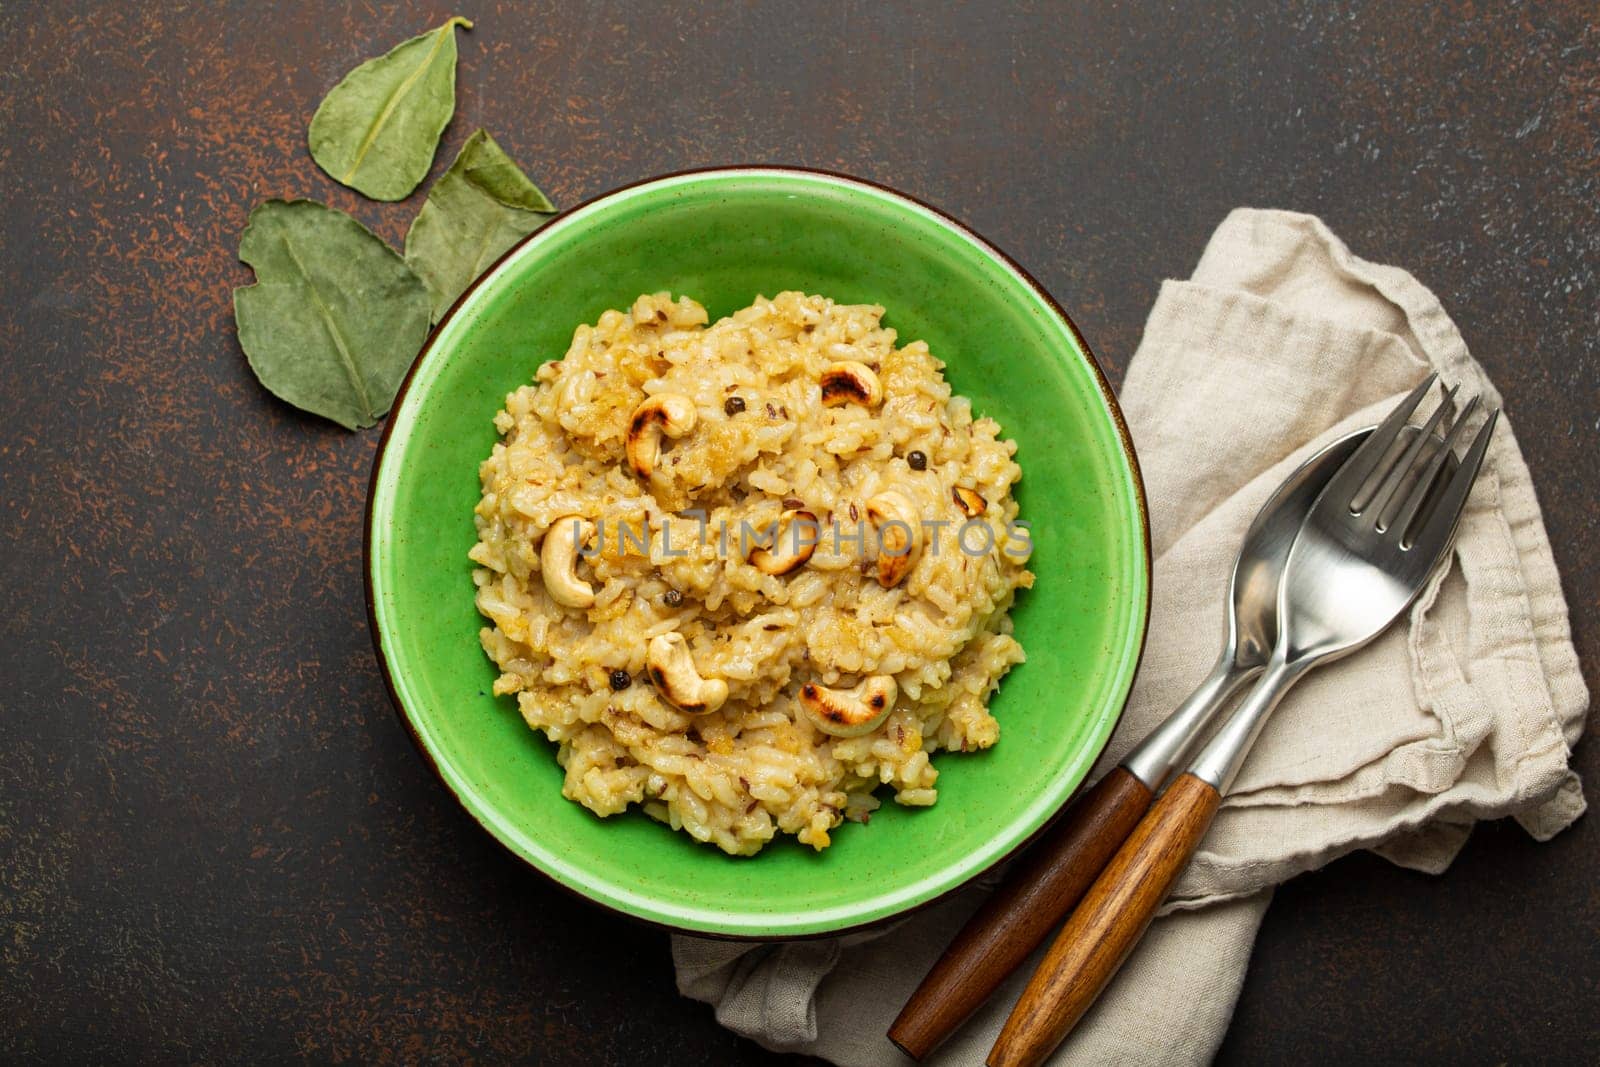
(1367, 547)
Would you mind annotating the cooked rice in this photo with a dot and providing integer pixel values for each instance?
(738, 775)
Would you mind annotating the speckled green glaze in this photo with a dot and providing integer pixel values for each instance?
(724, 237)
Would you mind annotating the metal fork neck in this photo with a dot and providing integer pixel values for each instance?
(1168, 745)
(1219, 762)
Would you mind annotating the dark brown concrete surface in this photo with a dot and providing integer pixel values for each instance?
(216, 842)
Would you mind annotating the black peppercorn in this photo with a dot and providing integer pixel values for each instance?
(918, 461)
(620, 679)
(673, 598)
(733, 405)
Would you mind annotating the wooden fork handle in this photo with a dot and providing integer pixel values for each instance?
(1107, 924)
(1041, 888)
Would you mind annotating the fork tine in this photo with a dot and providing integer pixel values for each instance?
(1359, 467)
(1424, 485)
(1436, 532)
(1397, 474)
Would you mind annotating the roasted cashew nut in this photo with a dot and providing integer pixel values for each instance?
(899, 535)
(665, 413)
(971, 504)
(791, 546)
(850, 712)
(1018, 543)
(850, 382)
(673, 671)
(558, 561)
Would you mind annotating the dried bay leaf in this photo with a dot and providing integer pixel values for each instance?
(376, 131)
(335, 316)
(475, 211)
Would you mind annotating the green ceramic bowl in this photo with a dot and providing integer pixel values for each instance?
(723, 237)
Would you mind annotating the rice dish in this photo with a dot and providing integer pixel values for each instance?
(745, 574)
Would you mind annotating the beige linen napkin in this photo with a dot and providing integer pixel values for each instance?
(1281, 342)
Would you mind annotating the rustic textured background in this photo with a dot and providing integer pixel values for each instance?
(217, 844)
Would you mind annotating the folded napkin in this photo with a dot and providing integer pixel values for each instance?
(1280, 343)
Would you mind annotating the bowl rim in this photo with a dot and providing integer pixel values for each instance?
(1108, 397)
